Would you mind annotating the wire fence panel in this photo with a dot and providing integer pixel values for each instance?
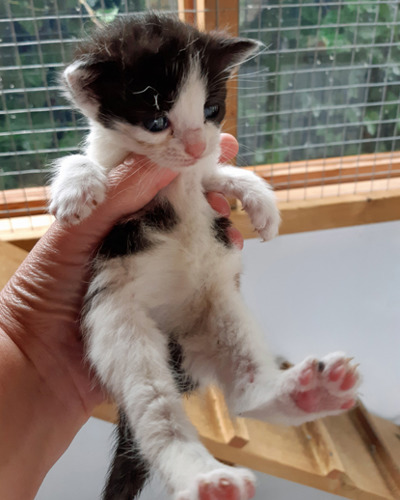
(37, 39)
(326, 85)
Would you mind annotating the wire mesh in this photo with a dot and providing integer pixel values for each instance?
(326, 86)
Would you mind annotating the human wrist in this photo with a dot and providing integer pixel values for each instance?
(35, 428)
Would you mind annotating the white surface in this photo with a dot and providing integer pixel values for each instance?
(312, 293)
(323, 291)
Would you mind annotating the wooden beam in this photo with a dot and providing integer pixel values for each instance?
(321, 172)
(27, 201)
(328, 213)
(351, 172)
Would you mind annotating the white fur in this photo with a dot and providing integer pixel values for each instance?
(256, 196)
(184, 284)
(77, 188)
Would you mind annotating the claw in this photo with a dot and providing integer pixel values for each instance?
(250, 489)
(307, 375)
(350, 379)
(348, 404)
(337, 372)
(205, 491)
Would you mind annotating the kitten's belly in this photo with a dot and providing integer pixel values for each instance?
(175, 279)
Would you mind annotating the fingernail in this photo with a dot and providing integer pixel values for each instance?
(129, 161)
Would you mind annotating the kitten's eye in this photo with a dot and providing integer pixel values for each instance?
(211, 112)
(156, 124)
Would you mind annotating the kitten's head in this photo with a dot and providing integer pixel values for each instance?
(159, 83)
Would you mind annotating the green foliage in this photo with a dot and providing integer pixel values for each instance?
(310, 41)
(41, 108)
(323, 107)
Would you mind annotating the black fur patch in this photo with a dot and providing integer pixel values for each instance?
(132, 235)
(135, 66)
(183, 381)
(129, 470)
(220, 227)
(125, 238)
(162, 217)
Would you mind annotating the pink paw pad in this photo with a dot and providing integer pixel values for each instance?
(222, 484)
(326, 386)
(224, 490)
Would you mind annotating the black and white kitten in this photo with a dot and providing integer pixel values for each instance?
(163, 312)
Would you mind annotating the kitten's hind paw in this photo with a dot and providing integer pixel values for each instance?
(328, 385)
(78, 187)
(314, 388)
(221, 484)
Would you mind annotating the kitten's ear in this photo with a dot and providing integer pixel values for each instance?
(235, 51)
(77, 80)
(86, 81)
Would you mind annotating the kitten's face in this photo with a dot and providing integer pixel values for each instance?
(159, 84)
(179, 136)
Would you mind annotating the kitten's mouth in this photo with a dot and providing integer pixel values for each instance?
(192, 160)
(188, 163)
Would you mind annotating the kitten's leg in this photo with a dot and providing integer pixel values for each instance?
(131, 357)
(255, 194)
(234, 350)
(79, 185)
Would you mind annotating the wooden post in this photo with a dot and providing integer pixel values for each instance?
(228, 20)
(187, 11)
(206, 14)
(211, 15)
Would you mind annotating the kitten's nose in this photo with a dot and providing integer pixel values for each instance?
(194, 142)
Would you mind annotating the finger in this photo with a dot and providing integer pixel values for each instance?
(130, 188)
(229, 147)
(132, 185)
(219, 203)
(236, 237)
(140, 174)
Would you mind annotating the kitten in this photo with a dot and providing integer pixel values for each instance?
(163, 313)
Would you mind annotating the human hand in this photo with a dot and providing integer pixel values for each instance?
(40, 312)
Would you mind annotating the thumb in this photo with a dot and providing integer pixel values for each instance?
(131, 186)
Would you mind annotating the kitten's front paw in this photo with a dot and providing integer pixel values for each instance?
(77, 189)
(263, 213)
(226, 483)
